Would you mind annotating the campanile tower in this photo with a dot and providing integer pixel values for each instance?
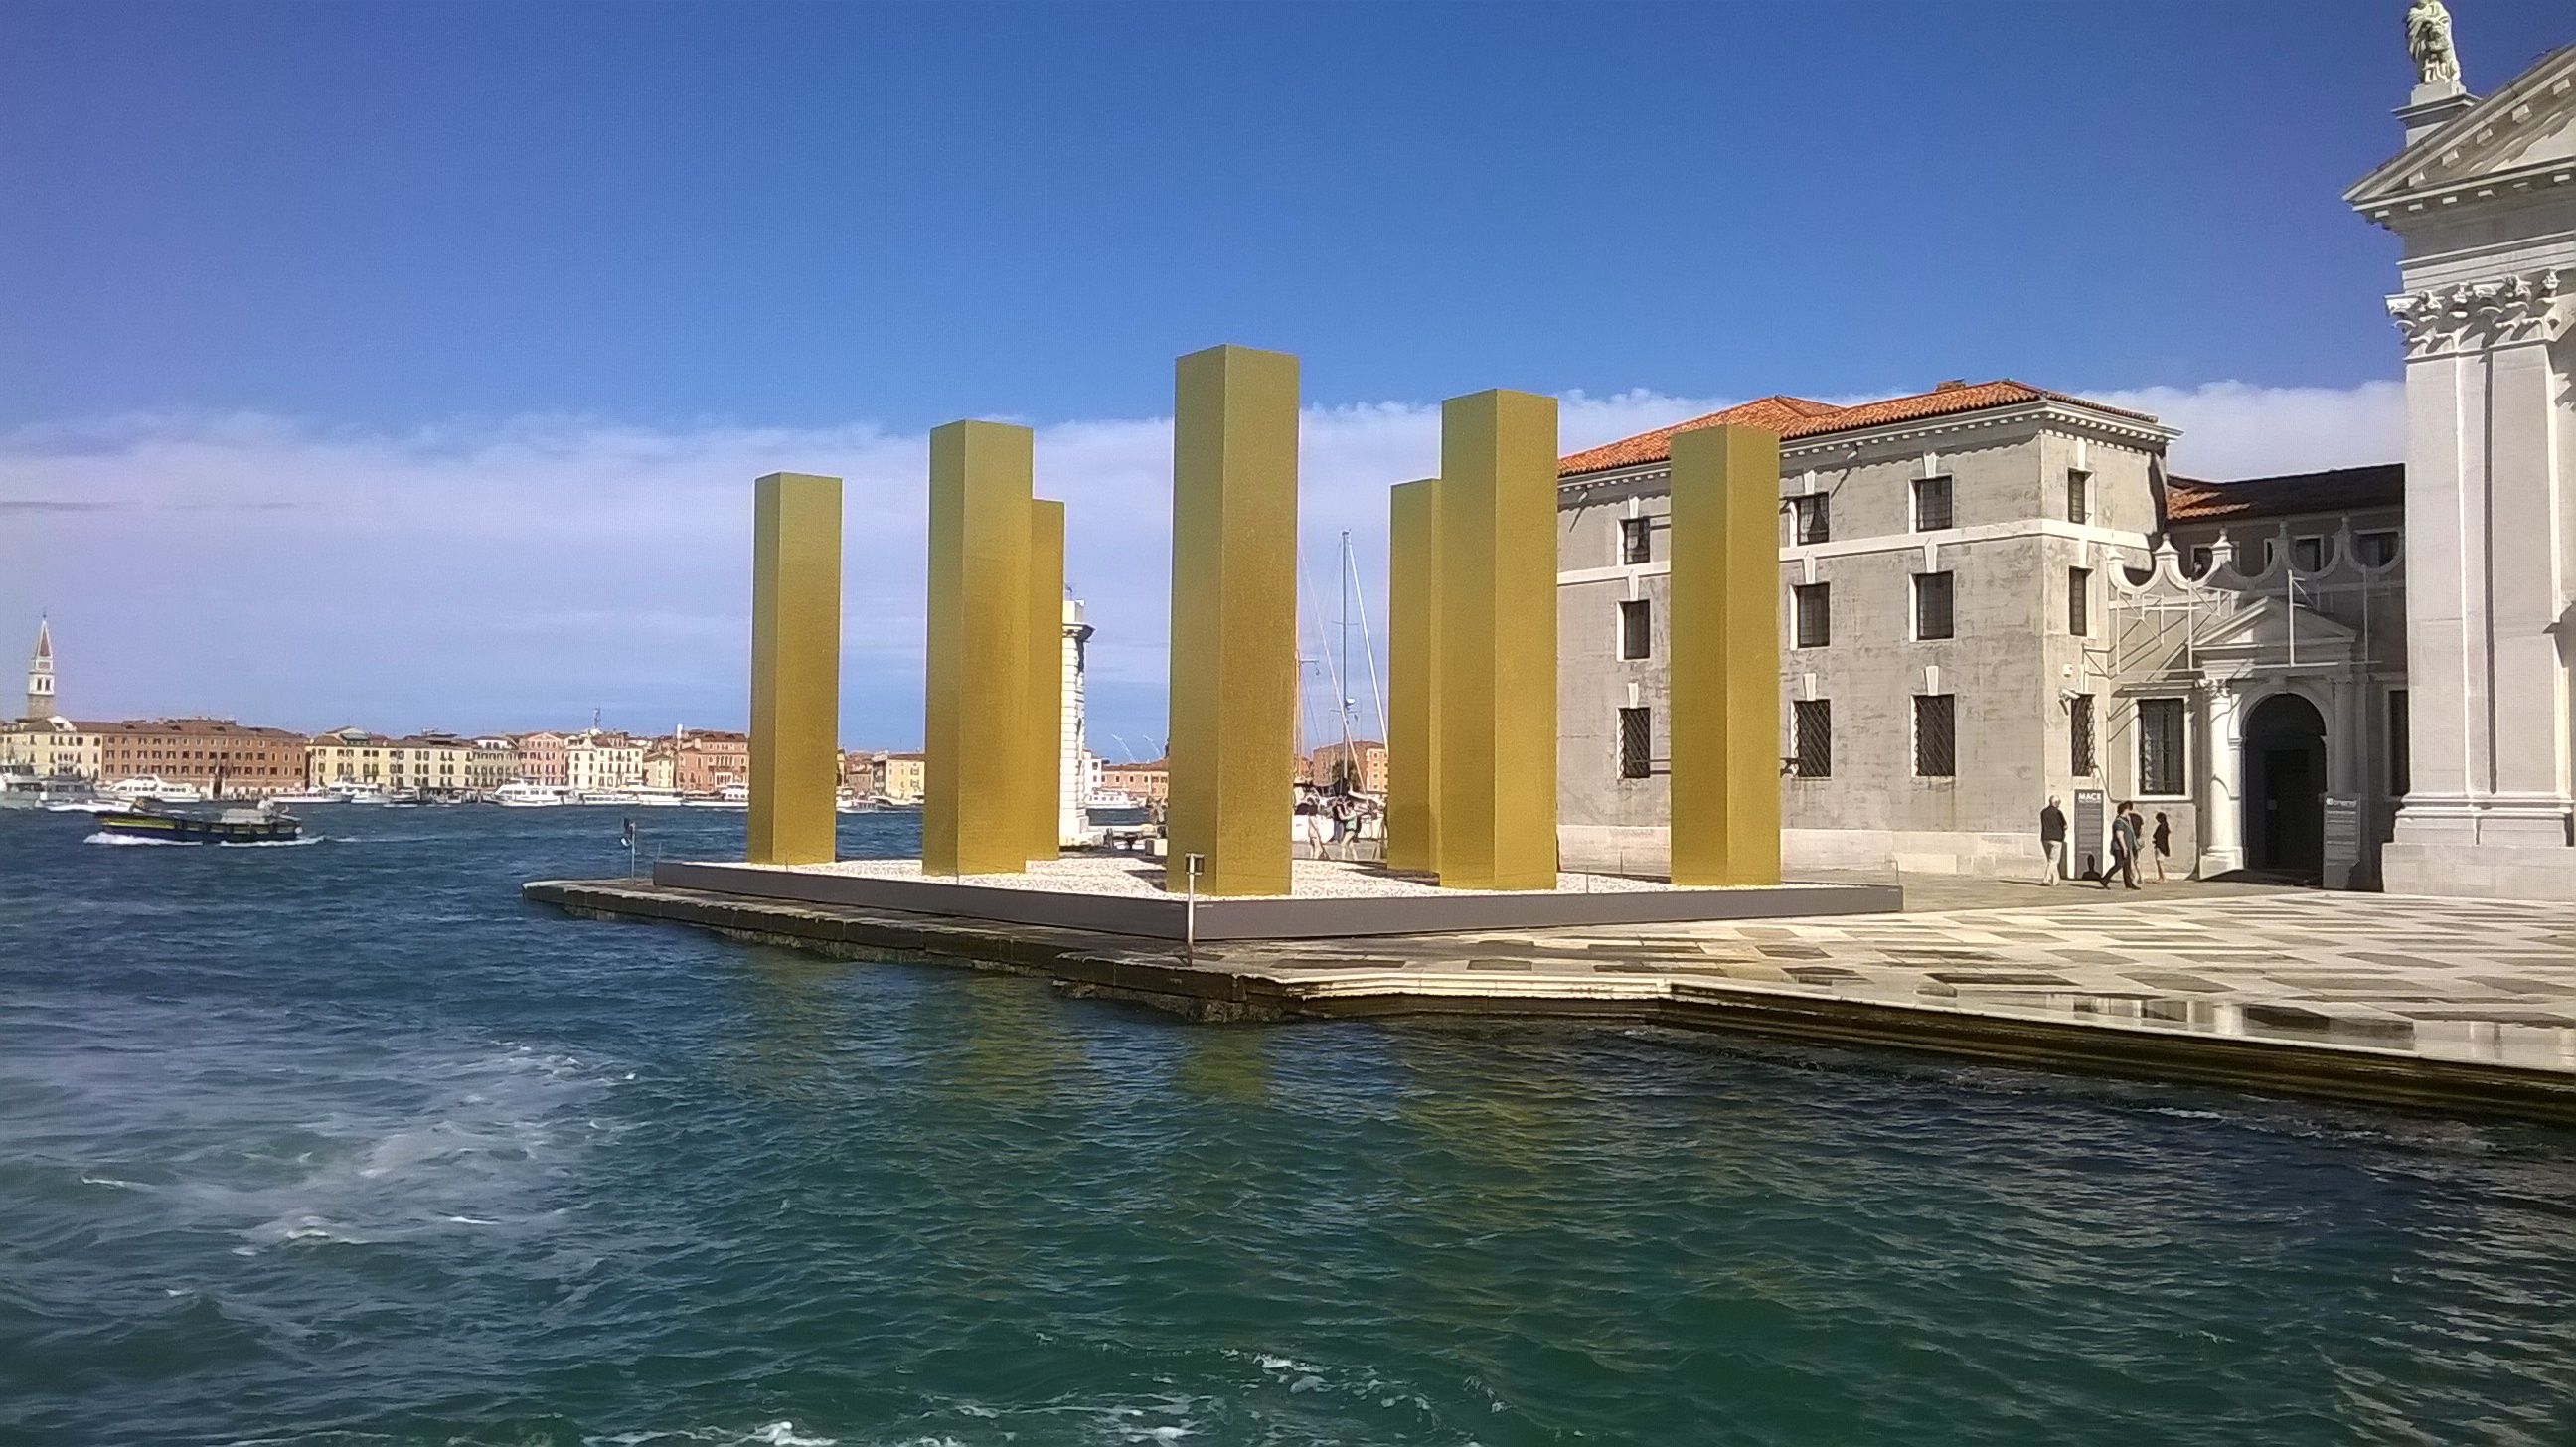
(40, 675)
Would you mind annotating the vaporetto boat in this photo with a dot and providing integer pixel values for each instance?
(524, 795)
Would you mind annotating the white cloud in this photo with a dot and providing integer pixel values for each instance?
(523, 573)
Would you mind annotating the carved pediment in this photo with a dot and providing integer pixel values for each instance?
(2263, 626)
(2521, 139)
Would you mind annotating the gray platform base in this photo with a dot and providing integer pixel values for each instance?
(1456, 912)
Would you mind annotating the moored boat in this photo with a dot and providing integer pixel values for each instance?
(524, 795)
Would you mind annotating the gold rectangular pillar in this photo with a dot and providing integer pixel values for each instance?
(1725, 652)
(1234, 619)
(1413, 677)
(1498, 641)
(1044, 707)
(795, 668)
(974, 815)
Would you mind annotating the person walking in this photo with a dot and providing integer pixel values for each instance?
(2124, 848)
(2163, 843)
(2052, 838)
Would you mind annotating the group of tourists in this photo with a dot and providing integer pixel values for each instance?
(2128, 832)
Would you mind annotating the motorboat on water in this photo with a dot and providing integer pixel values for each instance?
(348, 793)
(265, 824)
(61, 793)
(731, 796)
(153, 786)
(524, 795)
(305, 796)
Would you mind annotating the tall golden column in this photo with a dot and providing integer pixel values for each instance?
(974, 809)
(1413, 677)
(1497, 684)
(1234, 619)
(1044, 707)
(795, 667)
(1726, 656)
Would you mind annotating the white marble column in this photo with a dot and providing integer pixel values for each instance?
(2222, 806)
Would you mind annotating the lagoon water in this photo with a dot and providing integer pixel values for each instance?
(341, 1143)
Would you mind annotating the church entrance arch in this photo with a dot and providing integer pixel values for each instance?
(2285, 794)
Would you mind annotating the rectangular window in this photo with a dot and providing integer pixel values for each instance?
(2201, 560)
(1812, 721)
(1931, 504)
(2378, 550)
(1636, 744)
(1636, 637)
(2161, 755)
(2401, 772)
(2079, 735)
(1635, 544)
(2263, 556)
(1814, 611)
(2308, 554)
(1814, 515)
(2079, 602)
(1932, 598)
(1936, 740)
(2078, 503)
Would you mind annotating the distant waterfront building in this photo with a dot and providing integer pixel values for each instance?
(1149, 783)
(1991, 594)
(40, 676)
(543, 758)
(900, 778)
(223, 758)
(493, 762)
(597, 760)
(705, 761)
(1362, 762)
(57, 747)
(440, 764)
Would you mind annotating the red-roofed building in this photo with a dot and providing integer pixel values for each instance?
(1975, 618)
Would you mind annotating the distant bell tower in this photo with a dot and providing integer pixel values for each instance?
(40, 675)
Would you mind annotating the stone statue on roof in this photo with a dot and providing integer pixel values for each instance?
(2428, 39)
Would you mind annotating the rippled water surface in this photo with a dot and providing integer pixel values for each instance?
(341, 1143)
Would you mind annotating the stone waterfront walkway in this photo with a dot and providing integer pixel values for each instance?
(2455, 1004)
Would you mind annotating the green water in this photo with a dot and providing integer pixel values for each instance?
(341, 1143)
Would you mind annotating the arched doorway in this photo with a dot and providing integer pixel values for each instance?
(2285, 787)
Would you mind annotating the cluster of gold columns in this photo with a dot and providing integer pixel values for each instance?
(795, 667)
(1472, 648)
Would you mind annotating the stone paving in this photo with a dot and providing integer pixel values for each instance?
(2461, 979)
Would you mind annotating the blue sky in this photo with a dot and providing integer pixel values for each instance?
(297, 283)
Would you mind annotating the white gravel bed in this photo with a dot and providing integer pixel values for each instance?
(1126, 877)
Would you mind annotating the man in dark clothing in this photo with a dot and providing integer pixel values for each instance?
(2124, 847)
(2052, 838)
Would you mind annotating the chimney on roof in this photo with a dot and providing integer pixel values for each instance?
(1950, 384)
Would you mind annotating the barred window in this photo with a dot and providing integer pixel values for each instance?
(2161, 756)
(2079, 733)
(1936, 740)
(1932, 596)
(1814, 610)
(2078, 503)
(1814, 516)
(2079, 602)
(1636, 629)
(1636, 744)
(1635, 544)
(1812, 720)
(1931, 504)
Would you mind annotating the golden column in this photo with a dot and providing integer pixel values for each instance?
(974, 812)
(1413, 677)
(1497, 682)
(1234, 619)
(1726, 656)
(795, 667)
(1044, 707)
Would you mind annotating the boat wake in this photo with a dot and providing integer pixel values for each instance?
(124, 839)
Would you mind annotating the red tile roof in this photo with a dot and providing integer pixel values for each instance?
(2189, 500)
(1797, 417)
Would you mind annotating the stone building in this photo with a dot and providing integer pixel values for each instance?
(2483, 197)
(543, 758)
(226, 760)
(439, 764)
(1991, 595)
(596, 760)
